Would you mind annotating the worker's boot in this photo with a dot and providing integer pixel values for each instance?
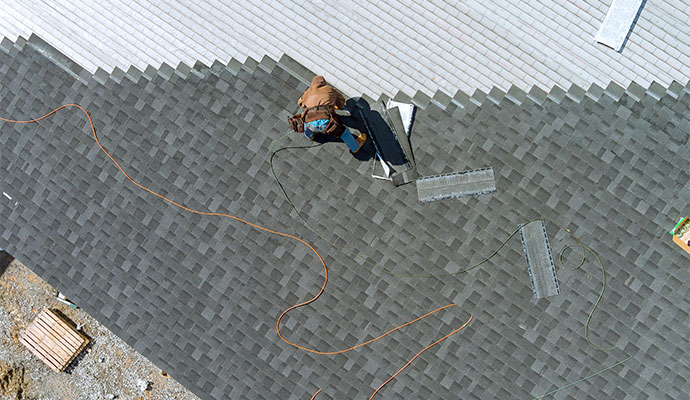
(361, 139)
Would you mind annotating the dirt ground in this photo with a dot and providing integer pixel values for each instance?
(107, 369)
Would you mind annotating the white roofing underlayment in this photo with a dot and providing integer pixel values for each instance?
(371, 47)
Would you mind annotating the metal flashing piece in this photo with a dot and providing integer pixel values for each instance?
(407, 112)
(456, 184)
(542, 271)
(406, 170)
(389, 132)
(385, 167)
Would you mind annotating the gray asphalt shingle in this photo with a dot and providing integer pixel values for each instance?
(199, 295)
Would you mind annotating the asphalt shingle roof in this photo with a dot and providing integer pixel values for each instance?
(199, 295)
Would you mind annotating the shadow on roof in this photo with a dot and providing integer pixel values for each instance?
(5, 261)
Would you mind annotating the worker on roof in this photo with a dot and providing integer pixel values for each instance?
(321, 102)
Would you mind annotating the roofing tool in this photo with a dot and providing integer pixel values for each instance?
(62, 299)
(342, 112)
(681, 233)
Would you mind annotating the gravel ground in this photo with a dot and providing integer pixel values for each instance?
(107, 369)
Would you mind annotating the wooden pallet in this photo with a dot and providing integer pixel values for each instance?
(52, 339)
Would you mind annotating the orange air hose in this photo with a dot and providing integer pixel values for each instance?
(315, 394)
(418, 354)
(224, 215)
(412, 359)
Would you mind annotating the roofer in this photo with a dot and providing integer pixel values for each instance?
(320, 102)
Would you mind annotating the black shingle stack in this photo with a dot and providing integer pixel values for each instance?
(199, 295)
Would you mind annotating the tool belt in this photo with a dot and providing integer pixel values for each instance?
(335, 127)
(296, 123)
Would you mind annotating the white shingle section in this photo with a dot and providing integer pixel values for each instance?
(372, 47)
(617, 23)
